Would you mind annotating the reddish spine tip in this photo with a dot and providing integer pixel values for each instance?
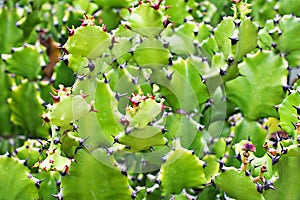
(104, 28)
(93, 109)
(56, 99)
(71, 31)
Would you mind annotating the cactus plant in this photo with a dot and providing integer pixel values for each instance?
(149, 99)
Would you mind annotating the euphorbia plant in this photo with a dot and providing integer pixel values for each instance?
(151, 99)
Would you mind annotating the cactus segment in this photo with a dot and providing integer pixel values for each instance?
(288, 112)
(237, 185)
(181, 170)
(107, 4)
(176, 6)
(108, 116)
(30, 151)
(25, 61)
(50, 184)
(245, 129)
(257, 102)
(287, 177)
(16, 182)
(146, 21)
(98, 180)
(151, 53)
(145, 112)
(185, 83)
(9, 17)
(286, 7)
(67, 110)
(26, 109)
(223, 34)
(5, 84)
(142, 139)
(290, 27)
(247, 39)
(88, 41)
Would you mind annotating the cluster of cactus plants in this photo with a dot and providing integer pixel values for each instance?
(156, 99)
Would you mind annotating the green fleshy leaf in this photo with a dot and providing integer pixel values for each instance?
(5, 84)
(219, 148)
(88, 41)
(212, 166)
(113, 4)
(259, 88)
(151, 53)
(237, 185)
(48, 186)
(146, 21)
(204, 30)
(186, 83)
(146, 112)
(29, 22)
(181, 41)
(64, 75)
(26, 110)
(68, 110)
(180, 126)
(181, 170)
(121, 49)
(223, 32)
(98, 178)
(245, 129)
(25, 61)
(288, 113)
(15, 183)
(288, 183)
(286, 7)
(77, 62)
(108, 115)
(247, 38)
(142, 139)
(30, 151)
(10, 35)
(289, 42)
(176, 6)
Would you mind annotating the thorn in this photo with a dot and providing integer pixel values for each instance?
(164, 130)
(170, 75)
(38, 183)
(297, 108)
(56, 140)
(116, 139)
(58, 183)
(166, 23)
(25, 163)
(58, 196)
(222, 72)
(56, 99)
(234, 41)
(133, 194)
(135, 80)
(286, 88)
(106, 81)
(70, 31)
(124, 172)
(93, 109)
(259, 187)
(104, 28)
(118, 96)
(230, 60)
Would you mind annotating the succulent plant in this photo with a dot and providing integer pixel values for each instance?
(149, 99)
